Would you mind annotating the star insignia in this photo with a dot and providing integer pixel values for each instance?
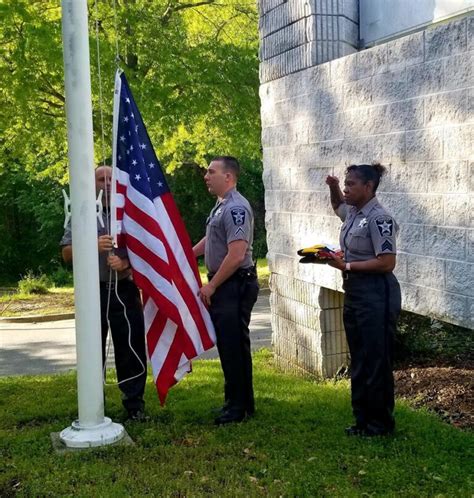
(385, 226)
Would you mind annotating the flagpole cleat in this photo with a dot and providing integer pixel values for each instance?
(100, 209)
(67, 209)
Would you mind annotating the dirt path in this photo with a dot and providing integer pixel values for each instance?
(44, 304)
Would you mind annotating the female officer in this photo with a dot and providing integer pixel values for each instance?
(372, 299)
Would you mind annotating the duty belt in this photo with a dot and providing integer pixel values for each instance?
(240, 274)
(111, 285)
(350, 275)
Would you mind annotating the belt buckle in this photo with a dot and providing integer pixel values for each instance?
(110, 285)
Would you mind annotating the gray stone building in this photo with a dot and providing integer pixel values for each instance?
(347, 81)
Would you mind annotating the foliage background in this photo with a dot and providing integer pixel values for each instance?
(193, 68)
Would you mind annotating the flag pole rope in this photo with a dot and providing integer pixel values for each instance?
(117, 54)
(107, 220)
(100, 90)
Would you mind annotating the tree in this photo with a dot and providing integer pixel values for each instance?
(193, 68)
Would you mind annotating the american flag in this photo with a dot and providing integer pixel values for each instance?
(146, 220)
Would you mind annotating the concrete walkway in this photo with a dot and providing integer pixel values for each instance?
(50, 347)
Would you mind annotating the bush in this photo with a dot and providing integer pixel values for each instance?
(424, 338)
(32, 284)
(62, 277)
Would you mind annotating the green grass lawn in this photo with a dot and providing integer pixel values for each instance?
(294, 446)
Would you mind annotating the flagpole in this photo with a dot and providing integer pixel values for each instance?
(91, 428)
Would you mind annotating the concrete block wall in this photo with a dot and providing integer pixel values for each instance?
(407, 103)
(297, 34)
(308, 324)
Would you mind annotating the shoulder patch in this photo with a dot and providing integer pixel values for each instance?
(387, 246)
(385, 226)
(238, 215)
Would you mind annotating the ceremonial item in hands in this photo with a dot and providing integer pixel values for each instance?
(319, 253)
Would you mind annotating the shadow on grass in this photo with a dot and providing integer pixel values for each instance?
(293, 446)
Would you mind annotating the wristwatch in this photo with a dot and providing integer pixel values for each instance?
(348, 267)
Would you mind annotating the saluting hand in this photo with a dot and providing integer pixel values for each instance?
(206, 292)
(332, 181)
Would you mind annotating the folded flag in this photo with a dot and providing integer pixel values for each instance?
(319, 253)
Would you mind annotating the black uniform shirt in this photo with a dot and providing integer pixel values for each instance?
(367, 232)
(230, 219)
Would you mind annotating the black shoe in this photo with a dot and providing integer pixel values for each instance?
(229, 417)
(355, 430)
(137, 415)
(375, 431)
(221, 410)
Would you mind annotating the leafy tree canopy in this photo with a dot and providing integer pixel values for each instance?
(193, 68)
(192, 65)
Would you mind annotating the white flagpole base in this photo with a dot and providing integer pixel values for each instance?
(77, 436)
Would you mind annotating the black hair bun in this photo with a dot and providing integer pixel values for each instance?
(379, 168)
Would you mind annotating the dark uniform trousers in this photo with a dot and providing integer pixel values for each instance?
(231, 307)
(126, 362)
(371, 309)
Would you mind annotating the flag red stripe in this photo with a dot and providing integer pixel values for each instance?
(155, 330)
(120, 188)
(161, 301)
(181, 232)
(150, 257)
(168, 309)
(175, 274)
(166, 378)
